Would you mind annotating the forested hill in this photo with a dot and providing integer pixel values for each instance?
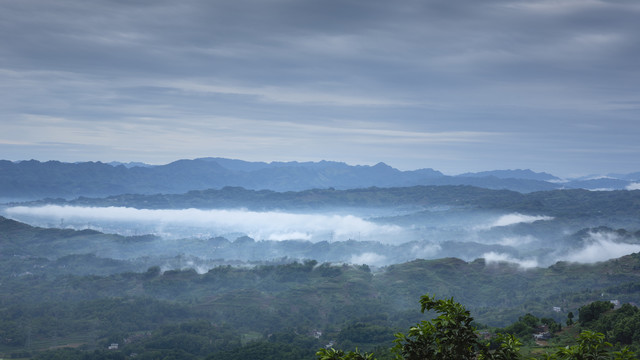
(63, 287)
(566, 203)
(30, 180)
(30, 253)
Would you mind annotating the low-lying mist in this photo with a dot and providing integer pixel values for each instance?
(375, 237)
(169, 223)
(601, 246)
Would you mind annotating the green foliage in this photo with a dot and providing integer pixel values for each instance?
(332, 354)
(296, 295)
(450, 336)
(624, 354)
(508, 348)
(621, 326)
(524, 327)
(530, 324)
(592, 312)
(590, 346)
(551, 324)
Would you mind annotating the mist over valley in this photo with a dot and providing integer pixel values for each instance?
(257, 262)
(374, 226)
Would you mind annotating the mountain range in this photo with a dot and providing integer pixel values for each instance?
(29, 180)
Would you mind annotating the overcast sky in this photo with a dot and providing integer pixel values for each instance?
(468, 85)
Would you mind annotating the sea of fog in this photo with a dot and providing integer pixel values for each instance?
(182, 223)
(526, 240)
(361, 224)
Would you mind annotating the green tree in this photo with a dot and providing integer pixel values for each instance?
(591, 346)
(450, 336)
(624, 354)
(592, 312)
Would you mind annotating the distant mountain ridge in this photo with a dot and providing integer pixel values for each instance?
(514, 174)
(30, 180)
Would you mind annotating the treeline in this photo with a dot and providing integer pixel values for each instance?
(231, 310)
(321, 293)
(323, 286)
(621, 326)
(449, 332)
(451, 335)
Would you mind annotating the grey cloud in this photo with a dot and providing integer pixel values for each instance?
(537, 69)
(151, 37)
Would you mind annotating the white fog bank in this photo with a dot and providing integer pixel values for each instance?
(513, 219)
(633, 186)
(597, 247)
(270, 225)
(495, 258)
(602, 247)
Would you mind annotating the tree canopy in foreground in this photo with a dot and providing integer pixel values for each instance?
(451, 335)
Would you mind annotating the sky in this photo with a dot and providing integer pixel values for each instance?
(457, 86)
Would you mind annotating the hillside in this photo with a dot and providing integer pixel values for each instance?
(378, 226)
(46, 254)
(307, 297)
(561, 203)
(57, 292)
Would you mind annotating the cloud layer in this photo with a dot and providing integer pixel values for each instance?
(633, 186)
(601, 247)
(458, 86)
(513, 219)
(496, 258)
(259, 225)
(597, 247)
(369, 258)
(496, 242)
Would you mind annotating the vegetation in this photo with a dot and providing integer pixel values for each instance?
(292, 309)
(451, 335)
(60, 300)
